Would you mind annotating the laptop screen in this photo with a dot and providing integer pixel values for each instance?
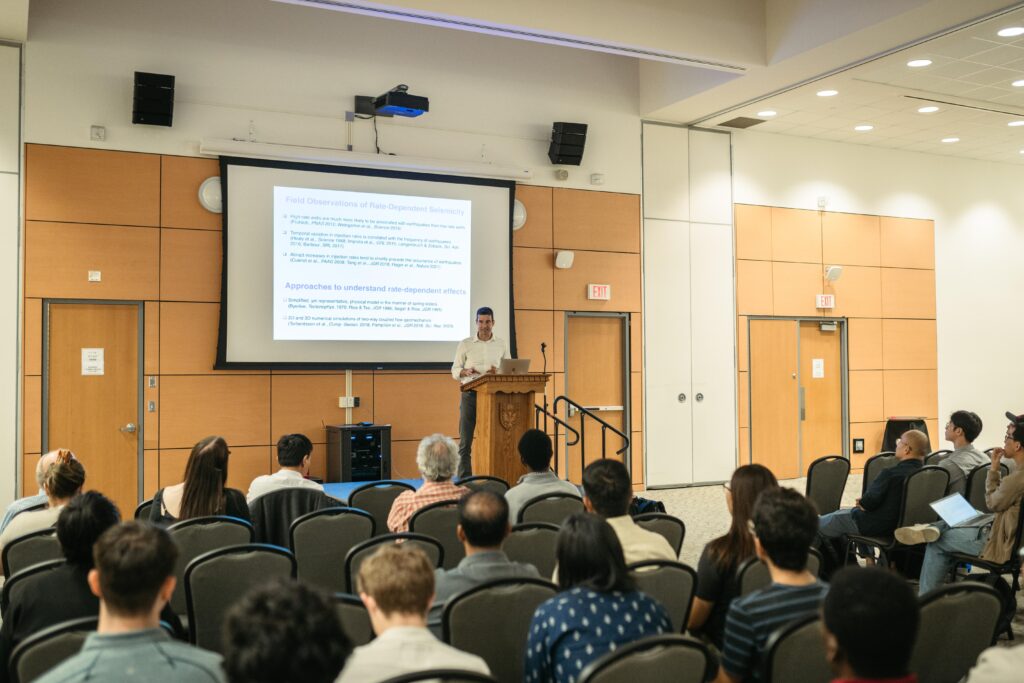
(954, 509)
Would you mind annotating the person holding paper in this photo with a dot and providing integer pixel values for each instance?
(475, 356)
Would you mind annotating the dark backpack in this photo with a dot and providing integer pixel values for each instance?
(639, 506)
(1006, 596)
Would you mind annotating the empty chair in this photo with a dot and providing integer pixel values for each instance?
(935, 457)
(30, 549)
(376, 498)
(200, 535)
(431, 546)
(826, 481)
(874, 465)
(670, 583)
(958, 621)
(533, 543)
(320, 541)
(672, 528)
(753, 574)
(666, 658)
(354, 618)
(438, 520)
(44, 650)
(216, 580)
(483, 482)
(796, 652)
(272, 513)
(552, 508)
(444, 675)
(492, 621)
(19, 579)
(142, 511)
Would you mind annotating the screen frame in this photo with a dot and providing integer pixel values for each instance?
(221, 362)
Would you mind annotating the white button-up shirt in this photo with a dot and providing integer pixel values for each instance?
(478, 355)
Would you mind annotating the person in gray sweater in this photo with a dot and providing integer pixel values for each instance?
(961, 430)
(535, 452)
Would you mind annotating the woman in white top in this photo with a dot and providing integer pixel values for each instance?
(62, 481)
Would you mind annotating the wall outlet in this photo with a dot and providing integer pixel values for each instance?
(95, 276)
(348, 401)
(97, 133)
(858, 445)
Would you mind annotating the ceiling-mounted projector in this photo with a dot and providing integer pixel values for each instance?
(395, 102)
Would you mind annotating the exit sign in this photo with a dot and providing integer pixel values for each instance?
(825, 301)
(599, 292)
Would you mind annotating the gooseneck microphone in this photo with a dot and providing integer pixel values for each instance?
(543, 346)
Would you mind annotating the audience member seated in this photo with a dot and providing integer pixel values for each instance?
(535, 453)
(396, 584)
(134, 579)
(784, 527)
(608, 491)
(293, 455)
(870, 622)
(284, 632)
(22, 504)
(483, 527)
(991, 537)
(961, 430)
(62, 480)
(878, 511)
(597, 609)
(437, 458)
(716, 570)
(203, 492)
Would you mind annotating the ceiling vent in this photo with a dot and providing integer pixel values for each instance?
(740, 122)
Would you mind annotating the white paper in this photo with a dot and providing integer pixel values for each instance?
(92, 361)
(818, 368)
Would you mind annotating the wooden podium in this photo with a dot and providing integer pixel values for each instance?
(504, 411)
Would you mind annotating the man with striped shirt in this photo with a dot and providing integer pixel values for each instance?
(784, 525)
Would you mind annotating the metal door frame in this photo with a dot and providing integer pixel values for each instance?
(139, 408)
(844, 385)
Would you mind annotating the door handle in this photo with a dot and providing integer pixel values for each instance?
(803, 405)
(128, 428)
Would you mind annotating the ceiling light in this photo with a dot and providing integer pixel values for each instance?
(1014, 124)
(767, 113)
(916, 63)
(827, 93)
(1011, 32)
(950, 140)
(927, 110)
(864, 127)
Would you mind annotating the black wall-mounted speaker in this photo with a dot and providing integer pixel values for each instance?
(153, 99)
(567, 142)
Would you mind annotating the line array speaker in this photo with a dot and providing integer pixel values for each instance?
(567, 141)
(153, 99)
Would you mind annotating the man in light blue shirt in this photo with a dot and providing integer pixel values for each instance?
(535, 452)
(22, 504)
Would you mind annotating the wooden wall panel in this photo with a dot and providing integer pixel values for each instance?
(305, 403)
(753, 232)
(744, 447)
(532, 328)
(317, 461)
(558, 332)
(59, 256)
(180, 179)
(636, 460)
(31, 417)
(911, 393)
(636, 342)
(872, 433)
(596, 221)
(743, 399)
(533, 278)
(190, 265)
(195, 406)
(150, 476)
(850, 239)
(908, 293)
(244, 464)
(858, 293)
(29, 485)
(76, 185)
(754, 287)
(151, 420)
(416, 405)
(909, 345)
(32, 347)
(864, 337)
(403, 460)
(865, 395)
(621, 271)
(636, 400)
(908, 243)
(742, 337)
(794, 286)
(796, 235)
(151, 338)
(536, 232)
(188, 339)
(934, 435)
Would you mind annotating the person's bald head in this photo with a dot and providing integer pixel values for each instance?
(483, 519)
(914, 444)
(45, 460)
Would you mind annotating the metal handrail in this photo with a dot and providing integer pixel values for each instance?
(584, 412)
(540, 410)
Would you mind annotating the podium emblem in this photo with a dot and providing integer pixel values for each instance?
(508, 415)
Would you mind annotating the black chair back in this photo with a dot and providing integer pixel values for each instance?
(21, 579)
(142, 511)
(753, 575)
(935, 457)
(45, 649)
(443, 675)
(377, 497)
(666, 658)
(200, 535)
(921, 488)
(272, 513)
(354, 618)
(320, 541)
(958, 621)
(672, 528)
(533, 543)
(975, 490)
(826, 481)
(361, 551)
(874, 466)
(25, 551)
(438, 520)
(670, 583)
(483, 482)
(552, 508)
(796, 652)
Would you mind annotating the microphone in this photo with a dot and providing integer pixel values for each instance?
(543, 346)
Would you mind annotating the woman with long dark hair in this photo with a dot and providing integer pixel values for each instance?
(203, 493)
(716, 570)
(597, 609)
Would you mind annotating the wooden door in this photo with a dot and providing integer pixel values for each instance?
(595, 378)
(92, 407)
(821, 427)
(774, 397)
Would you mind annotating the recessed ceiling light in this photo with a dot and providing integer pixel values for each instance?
(927, 110)
(827, 93)
(1014, 124)
(1011, 32)
(864, 127)
(917, 63)
(767, 113)
(1018, 84)
(950, 140)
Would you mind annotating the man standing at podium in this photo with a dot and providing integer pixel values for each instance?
(477, 355)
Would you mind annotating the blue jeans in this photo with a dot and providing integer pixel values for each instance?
(938, 555)
(837, 524)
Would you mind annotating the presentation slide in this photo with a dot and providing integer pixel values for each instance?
(356, 265)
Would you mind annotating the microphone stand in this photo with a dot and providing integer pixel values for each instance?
(543, 347)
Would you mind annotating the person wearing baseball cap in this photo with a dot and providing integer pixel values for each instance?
(992, 537)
